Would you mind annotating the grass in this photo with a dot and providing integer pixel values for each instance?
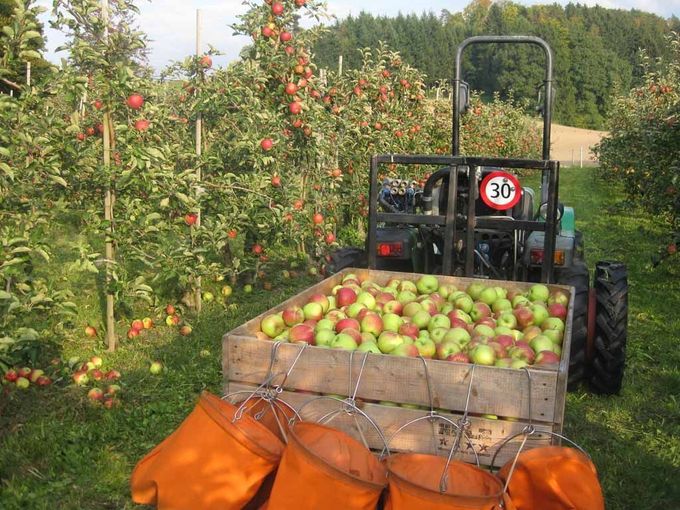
(59, 452)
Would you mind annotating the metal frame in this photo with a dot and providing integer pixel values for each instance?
(547, 81)
(465, 166)
(458, 165)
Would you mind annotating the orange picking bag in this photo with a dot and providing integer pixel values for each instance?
(553, 478)
(414, 484)
(209, 462)
(324, 468)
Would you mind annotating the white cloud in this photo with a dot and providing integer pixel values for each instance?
(171, 24)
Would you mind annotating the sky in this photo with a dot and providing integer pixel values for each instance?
(171, 24)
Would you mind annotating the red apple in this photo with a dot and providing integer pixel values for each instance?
(459, 357)
(345, 296)
(301, 333)
(266, 144)
(137, 324)
(293, 315)
(90, 331)
(142, 125)
(558, 310)
(347, 323)
(112, 375)
(135, 101)
(11, 375)
(547, 358)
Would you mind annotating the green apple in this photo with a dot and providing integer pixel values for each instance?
(475, 289)
(156, 368)
(488, 296)
(427, 284)
(437, 334)
(458, 335)
(366, 299)
(324, 324)
(540, 313)
(324, 337)
(345, 342)
(412, 308)
(483, 354)
(555, 335)
(421, 319)
(371, 347)
(392, 322)
(272, 325)
(313, 311)
(406, 296)
(553, 323)
(388, 341)
(438, 321)
(464, 303)
(446, 289)
(501, 305)
(539, 292)
(426, 347)
(541, 343)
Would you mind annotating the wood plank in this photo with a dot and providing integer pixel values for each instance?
(423, 437)
(500, 391)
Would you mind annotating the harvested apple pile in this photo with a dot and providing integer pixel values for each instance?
(482, 324)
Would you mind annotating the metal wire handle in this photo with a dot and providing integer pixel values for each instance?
(527, 432)
(268, 393)
(463, 423)
(348, 407)
(433, 416)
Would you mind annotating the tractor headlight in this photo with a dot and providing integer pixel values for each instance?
(543, 211)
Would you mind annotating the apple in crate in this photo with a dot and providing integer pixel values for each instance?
(272, 325)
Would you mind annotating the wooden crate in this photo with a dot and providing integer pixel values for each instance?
(495, 391)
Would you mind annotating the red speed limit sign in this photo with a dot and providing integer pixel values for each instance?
(500, 190)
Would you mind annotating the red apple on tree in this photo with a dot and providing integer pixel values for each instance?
(266, 144)
(135, 101)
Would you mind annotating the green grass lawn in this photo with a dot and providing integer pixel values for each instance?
(59, 452)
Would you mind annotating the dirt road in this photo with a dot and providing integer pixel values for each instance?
(568, 142)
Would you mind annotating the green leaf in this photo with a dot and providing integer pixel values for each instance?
(5, 295)
(30, 55)
(59, 180)
(31, 34)
(27, 334)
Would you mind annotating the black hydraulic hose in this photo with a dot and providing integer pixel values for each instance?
(429, 186)
(387, 205)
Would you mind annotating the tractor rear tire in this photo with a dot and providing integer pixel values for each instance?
(577, 276)
(611, 328)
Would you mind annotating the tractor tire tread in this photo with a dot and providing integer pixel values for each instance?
(611, 328)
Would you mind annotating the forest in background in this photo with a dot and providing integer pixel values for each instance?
(597, 50)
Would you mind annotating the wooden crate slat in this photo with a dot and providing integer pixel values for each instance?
(485, 435)
(503, 392)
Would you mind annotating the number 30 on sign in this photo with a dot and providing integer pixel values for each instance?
(500, 190)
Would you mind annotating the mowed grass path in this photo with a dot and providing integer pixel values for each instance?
(59, 452)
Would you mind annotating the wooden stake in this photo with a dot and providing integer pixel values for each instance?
(28, 74)
(109, 200)
(340, 65)
(199, 151)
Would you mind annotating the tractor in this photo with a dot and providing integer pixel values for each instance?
(472, 218)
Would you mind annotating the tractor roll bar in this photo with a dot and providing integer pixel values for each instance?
(547, 99)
